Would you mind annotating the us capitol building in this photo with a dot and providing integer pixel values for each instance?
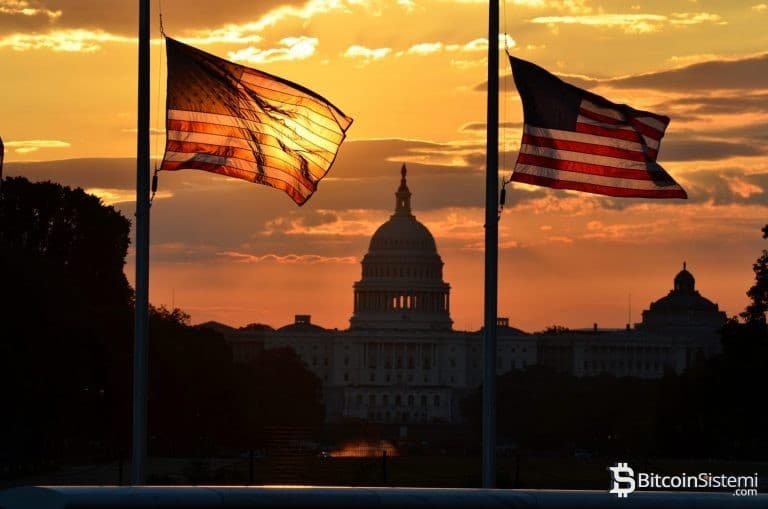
(401, 361)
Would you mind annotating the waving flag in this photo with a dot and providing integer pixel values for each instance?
(236, 121)
(574, 139)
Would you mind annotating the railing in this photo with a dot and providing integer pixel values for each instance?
(284, 497)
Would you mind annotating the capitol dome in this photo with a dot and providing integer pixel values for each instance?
(684, 281)
(402, 283)
(684, 306)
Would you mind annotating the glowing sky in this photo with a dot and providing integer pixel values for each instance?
(412, 75)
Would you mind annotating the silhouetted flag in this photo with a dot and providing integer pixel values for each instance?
(243, 123)
(574, 139)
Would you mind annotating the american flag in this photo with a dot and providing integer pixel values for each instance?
(236, 121)
(574, 139)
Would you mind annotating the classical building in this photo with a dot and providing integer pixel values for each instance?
(401, 361)
(402, 283)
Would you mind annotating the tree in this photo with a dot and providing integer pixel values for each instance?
(758, 294)
(66, 329)
(65, 316)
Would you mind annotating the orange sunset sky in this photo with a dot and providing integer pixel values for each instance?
(411, 73)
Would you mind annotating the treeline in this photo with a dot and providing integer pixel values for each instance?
(66, 347)
(714, 410)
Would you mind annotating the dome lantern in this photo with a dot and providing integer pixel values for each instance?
(402, 283)
(403, 196)
(684, 281)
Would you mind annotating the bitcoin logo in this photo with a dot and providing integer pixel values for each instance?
(622, 476)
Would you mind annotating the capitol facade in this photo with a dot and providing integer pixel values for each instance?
(400, 361)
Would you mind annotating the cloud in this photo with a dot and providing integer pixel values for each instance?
(289, 259)
(573, 6)
(325, 223)
(728, 187)
(425, 48)
(722, 103)
(631, 23)
(153, 131)
(760, 7)
(473, 46)
(480, 126)
(26, 146)
(192, 15)
(294, 48)
(24, 8)
(366, 54)
(695, 18)
(749, 73)
(229, 34)
(685, 148)
(78, 41)
(112, 196)
(745, 73)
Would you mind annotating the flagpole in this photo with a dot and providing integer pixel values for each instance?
(491, 250)
(141, 316)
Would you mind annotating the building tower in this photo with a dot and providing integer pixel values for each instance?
(402, 283)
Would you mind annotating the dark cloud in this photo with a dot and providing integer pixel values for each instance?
(757, 132)
(382, 158)
(121, 17)
(507, 84)
(727, 187)
(699, 105)
(681, 148)
(481, 126)
(744, 74)
(105, 173)
(206, 214)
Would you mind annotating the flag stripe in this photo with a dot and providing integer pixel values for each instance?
(605, 111)
(247, 135)
(601, 180)
(241, 122)
(646, 130)
(276, 130)
(274, 108)
(273, 159)
(603, 119)
(200, 133)
(202, 161)
(581, 157)
(653, 123)
(594, 169)
(585, 148)
(651, 146)
(621, 192)
(243, 174)
(585, 137)
(573, 139)
(318, 111)
(654, 136)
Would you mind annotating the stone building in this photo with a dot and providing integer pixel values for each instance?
(401, 361)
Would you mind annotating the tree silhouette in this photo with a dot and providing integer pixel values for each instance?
(758, 294)
(64, 317)
(66, 330)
